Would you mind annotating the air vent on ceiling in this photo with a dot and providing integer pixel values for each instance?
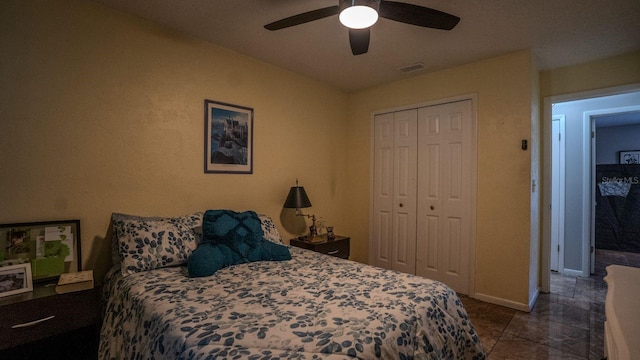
(412, 68)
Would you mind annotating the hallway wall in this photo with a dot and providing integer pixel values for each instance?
(610, 140)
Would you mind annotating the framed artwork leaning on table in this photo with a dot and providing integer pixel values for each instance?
(50, 248)
(15, 279)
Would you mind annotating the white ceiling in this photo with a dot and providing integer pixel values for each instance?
(560, 32)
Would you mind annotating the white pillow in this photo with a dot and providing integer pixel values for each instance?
(269, 229)
(147, 243)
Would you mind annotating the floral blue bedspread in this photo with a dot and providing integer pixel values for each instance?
(311, 307)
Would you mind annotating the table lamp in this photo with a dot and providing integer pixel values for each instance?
(298, 199)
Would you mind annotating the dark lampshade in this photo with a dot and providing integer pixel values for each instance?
(297, 198)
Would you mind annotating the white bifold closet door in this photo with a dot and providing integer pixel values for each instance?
(422, 179)
(395, 190)
(444, 192)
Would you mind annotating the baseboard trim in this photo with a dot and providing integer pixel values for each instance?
(504, 302)
(571, 272)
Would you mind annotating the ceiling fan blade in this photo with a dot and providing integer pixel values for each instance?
(359, 40)
(417, 15)
(303, 18)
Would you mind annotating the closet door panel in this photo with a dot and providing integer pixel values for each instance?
(453, 246)
(427, 246)
(444, 181)
(404, 191)
(429, 223)
(456, 188)
(382, 227)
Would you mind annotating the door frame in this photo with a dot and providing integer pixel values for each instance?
(545, 278)
(474, 175)
(589, 119)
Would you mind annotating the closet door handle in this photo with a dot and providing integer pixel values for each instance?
(432, 207)
(401, 205)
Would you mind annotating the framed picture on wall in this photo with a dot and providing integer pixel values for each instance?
(630, 157)
(49, 248)
(15, 279)
(228, 138)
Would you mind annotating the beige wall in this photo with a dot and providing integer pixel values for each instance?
(505, 87)
(103, 112)
(615, 71)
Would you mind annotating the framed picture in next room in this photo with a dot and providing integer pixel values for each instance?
(228, 138)
(630, 157)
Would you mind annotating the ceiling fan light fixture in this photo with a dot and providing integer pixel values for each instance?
(359, 14)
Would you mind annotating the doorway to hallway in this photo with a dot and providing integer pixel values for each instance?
(575, 254)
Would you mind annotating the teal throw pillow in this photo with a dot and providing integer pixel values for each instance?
(230, 238)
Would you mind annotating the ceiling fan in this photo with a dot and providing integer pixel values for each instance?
(360, 15)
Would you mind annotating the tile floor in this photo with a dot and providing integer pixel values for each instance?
(566, 324)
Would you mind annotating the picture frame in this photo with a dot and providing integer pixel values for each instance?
(630, 157)
(50, 248)
(228, 138)
(15, 279)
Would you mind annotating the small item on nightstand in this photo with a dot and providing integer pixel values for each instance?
(320, 227)
(313, 231)
(316, 239)
(330, 234)
(75, 281)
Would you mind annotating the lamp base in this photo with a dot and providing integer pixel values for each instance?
(313, 231)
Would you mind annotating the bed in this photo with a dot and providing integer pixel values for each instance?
(312, 306)
(622, 313)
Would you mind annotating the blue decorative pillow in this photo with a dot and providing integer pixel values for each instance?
(229, 227)
(147, 243)
(230, 238)
(208, 258)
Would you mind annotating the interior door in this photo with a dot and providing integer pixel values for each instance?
(444, 193)
(557, 193)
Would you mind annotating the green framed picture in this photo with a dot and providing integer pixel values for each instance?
(49, 247)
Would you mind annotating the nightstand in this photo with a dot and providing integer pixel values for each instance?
(339, 247)
(68, 324)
